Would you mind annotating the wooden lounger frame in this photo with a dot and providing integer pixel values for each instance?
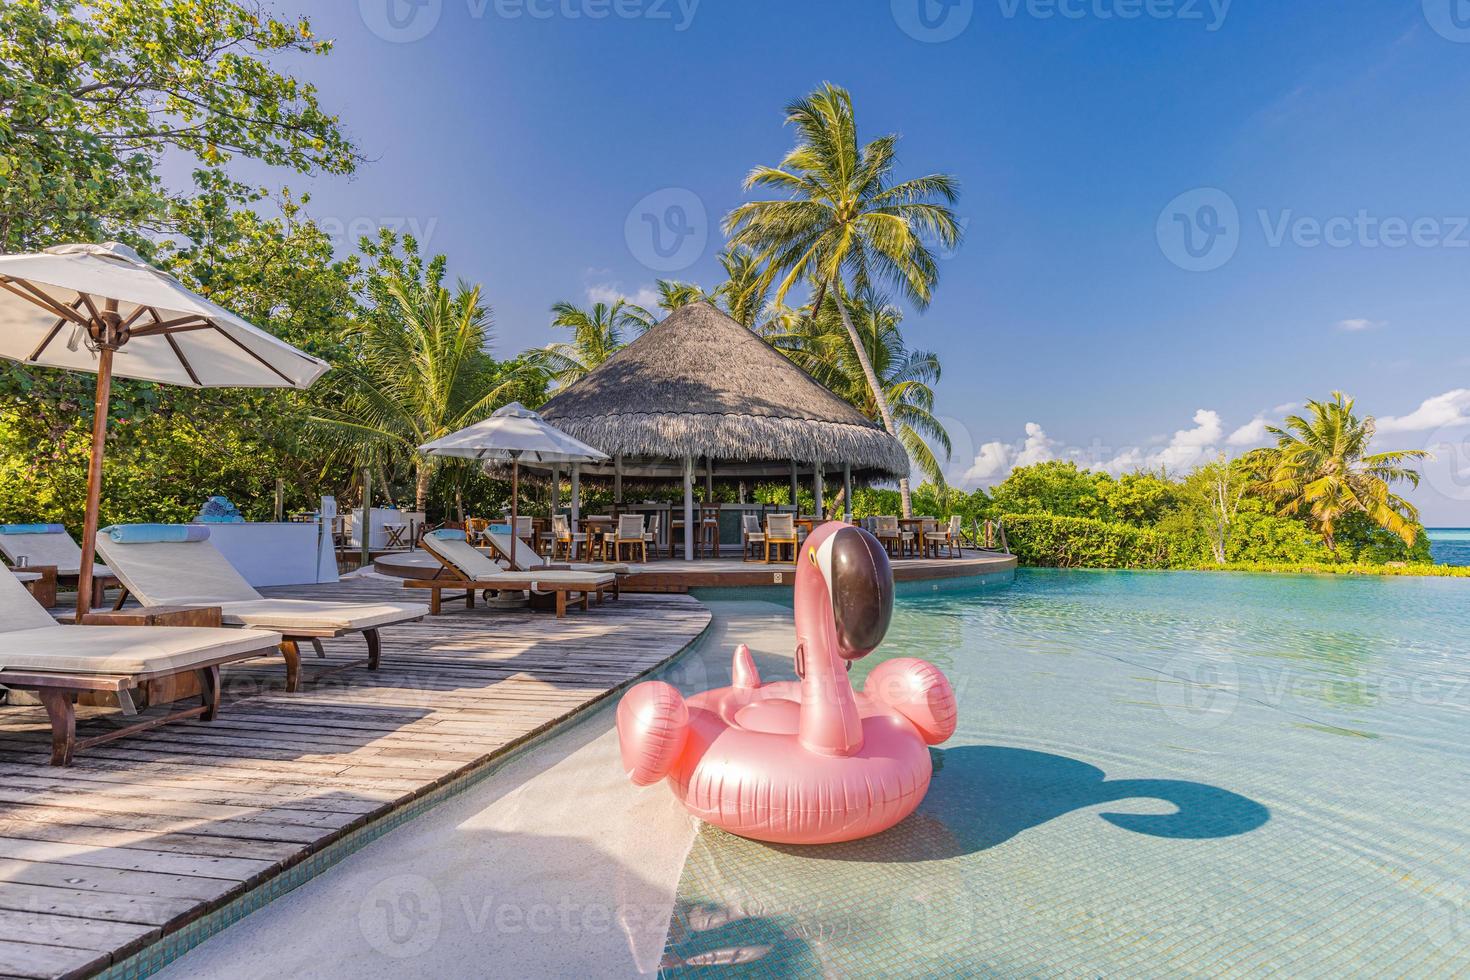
(58, 693)
(523, 580)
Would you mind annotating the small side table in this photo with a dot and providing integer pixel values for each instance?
(43, 586)
(165, 689)
(394, 534)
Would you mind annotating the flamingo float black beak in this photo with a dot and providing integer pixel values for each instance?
(861, 583)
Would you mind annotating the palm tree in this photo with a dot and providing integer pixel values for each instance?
(745, 289)
(1320, 468)
(597, 334)
(822, 348)
(418, 370)
(844, 218)
(673, 294)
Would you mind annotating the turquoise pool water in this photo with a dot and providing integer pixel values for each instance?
(1449, 545)
(1154, 774)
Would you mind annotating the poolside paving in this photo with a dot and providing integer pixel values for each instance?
(151, 836)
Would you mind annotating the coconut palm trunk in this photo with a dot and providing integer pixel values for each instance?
(879, 398)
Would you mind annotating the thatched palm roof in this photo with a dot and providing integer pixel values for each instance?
(700, 384)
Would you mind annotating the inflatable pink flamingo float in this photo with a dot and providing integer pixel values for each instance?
(808, 761)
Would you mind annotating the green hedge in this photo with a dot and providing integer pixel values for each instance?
(1081, 542)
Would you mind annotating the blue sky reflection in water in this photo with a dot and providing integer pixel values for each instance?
(1153, 774)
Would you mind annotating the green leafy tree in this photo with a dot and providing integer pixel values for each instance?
(419, 367)
(1321, 469)
(597, 334)
(844, 221)
(1054, 487)
(95, 93)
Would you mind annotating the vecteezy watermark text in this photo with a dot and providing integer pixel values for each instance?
(1200, 230)
(406, 21)
(937, 21)
(1211, 13)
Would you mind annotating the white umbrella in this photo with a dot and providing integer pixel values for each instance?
(514, 433)
(101, 308)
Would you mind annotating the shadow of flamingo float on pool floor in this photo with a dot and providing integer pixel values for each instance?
(983, 795)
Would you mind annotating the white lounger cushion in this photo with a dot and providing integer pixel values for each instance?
(124, 649)
(194, 573)
(475, 565)
(468, 560)
(48, 549)
(541, 580)
(311, 614)
(19, 610)
(175, 573)
(528, 561)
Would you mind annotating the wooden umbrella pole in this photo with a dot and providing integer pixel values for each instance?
(515, 493)
(94, 481)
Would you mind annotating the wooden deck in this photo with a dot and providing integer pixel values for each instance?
(146, 835)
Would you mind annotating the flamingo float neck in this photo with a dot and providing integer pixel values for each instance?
(830, 724)
(844, 597)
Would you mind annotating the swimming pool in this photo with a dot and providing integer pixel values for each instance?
(1154, 773)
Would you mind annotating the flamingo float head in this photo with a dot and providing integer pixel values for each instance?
(855, 580)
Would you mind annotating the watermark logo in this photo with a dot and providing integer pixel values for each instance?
(933, 21)
(1451, 448)
(667, 230)
(401, 916)
(1199, 230)
(400, 21)
(1198, 693)
(1449, 18)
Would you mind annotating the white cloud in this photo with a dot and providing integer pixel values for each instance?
(1357, 325)
(1037, 448)
(611, 292)
(1450, 408)
(1285, 407)
(1188, 446)
(1253, 433)
(995, 460)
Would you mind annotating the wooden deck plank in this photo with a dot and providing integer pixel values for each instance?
(148, 833)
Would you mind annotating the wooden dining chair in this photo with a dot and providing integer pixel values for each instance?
(709, 528)
(752, 538)
(781, 533)
(650, 536)
(565, 541)
(630, 534)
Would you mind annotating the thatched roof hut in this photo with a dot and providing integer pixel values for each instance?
(701, 385)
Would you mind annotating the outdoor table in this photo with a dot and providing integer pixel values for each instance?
(916, 524)
(395, 534)
(597, 528)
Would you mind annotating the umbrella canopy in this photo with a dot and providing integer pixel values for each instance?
(101, 308)
(55, 304)
(514, 433)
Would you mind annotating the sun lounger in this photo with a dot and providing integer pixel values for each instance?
(527, 560)
(49, 544)
(60, 662)
(463, 566)
(164, 565)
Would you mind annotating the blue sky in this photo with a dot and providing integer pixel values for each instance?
(1181, 215)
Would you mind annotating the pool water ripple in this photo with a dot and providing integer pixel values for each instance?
(1154, 773)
